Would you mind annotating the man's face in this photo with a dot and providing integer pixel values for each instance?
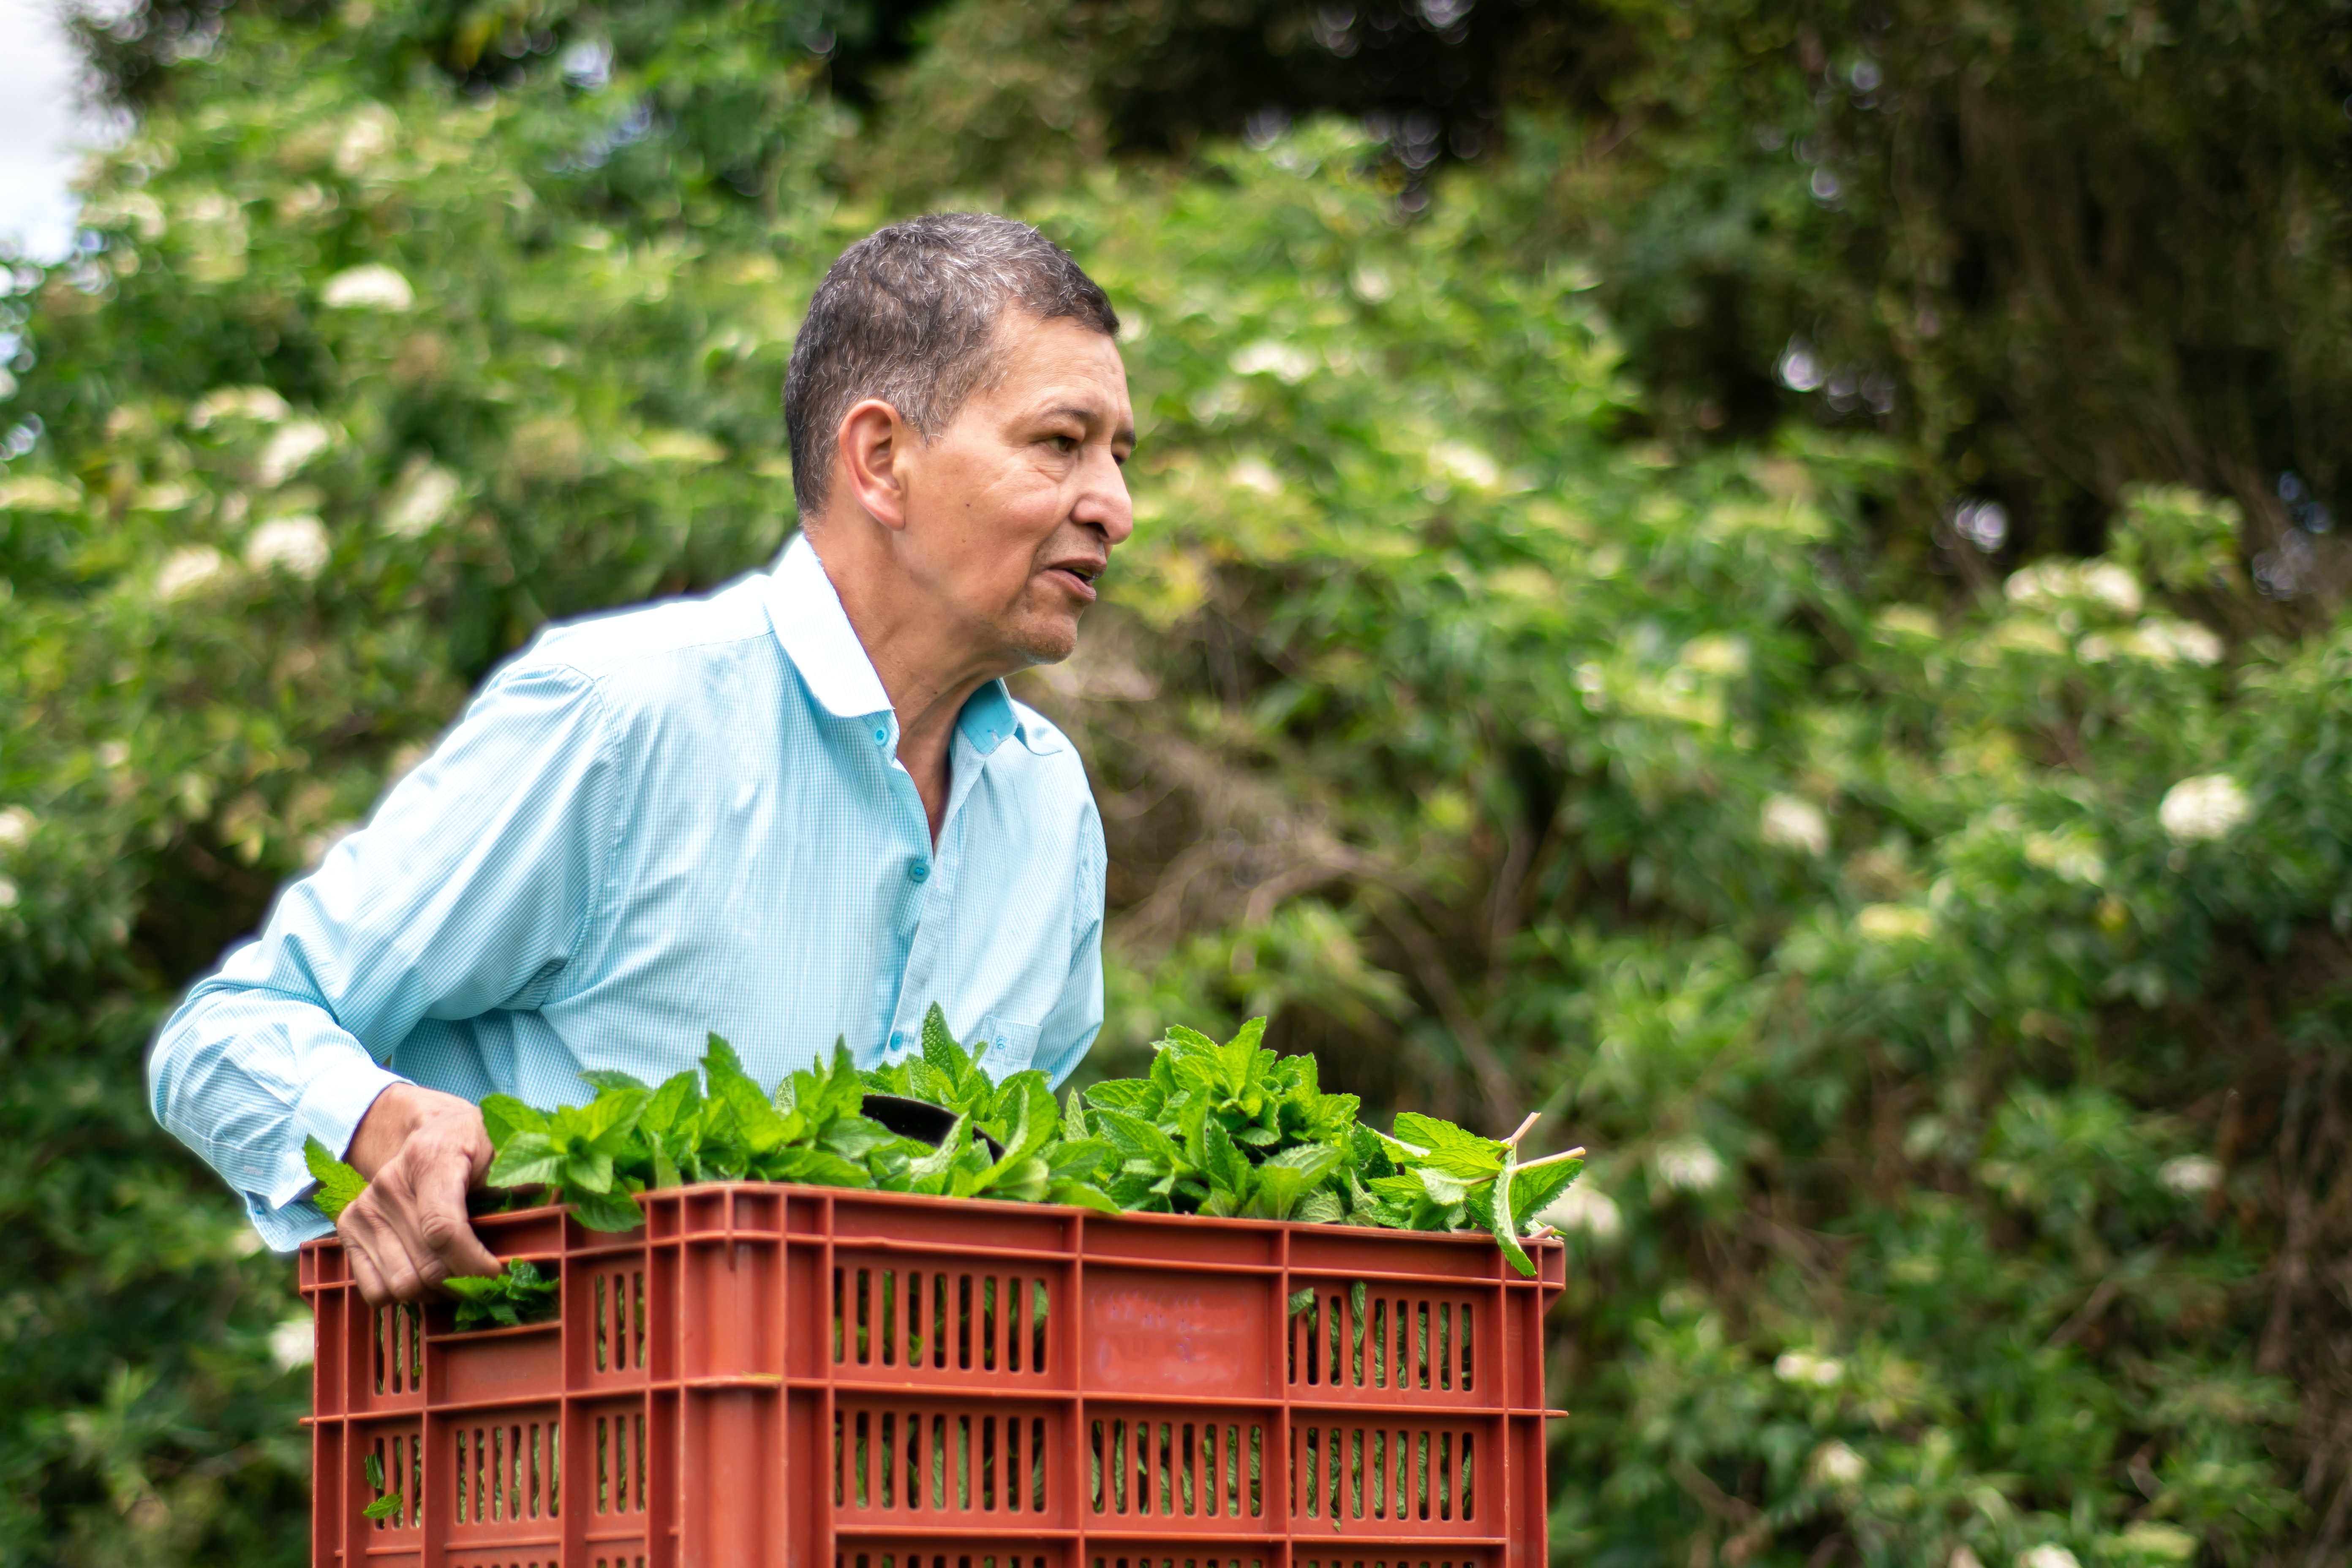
(1014, 507)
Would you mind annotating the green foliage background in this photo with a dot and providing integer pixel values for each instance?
(1516, 686)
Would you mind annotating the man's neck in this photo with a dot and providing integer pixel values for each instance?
(926, 672)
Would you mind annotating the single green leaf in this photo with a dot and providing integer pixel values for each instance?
(815, 1168)
(1026, 1182)
(606, 1210)
(1321, 1206)
(1533, 1190)
(1450, 1148)
(338, 1184)
(679, 1098)
(503, 1116)
(1138, 1096)
(526, 1160)
(1079, 1194)
(940, 1047)
(1504, 1223)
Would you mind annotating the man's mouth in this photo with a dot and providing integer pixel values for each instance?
(1077, 577)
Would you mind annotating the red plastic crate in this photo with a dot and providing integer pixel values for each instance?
(773, 1375)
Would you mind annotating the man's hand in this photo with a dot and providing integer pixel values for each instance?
(421, 1151)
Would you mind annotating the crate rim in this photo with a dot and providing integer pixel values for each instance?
(1550, 1248)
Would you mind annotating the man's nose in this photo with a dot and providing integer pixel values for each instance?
(1105, 503)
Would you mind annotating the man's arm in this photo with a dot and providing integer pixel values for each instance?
(478, 875)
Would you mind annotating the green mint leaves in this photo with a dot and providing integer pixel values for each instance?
(1233, 1128)
(388, 1504)
(1215, 1128)
(521, 1295)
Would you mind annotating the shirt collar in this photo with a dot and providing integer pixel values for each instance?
(805, 611)
(817, 637)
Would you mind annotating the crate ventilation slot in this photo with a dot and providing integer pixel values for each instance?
(938, 1461)
(1392, 1342)
(507, 1472)
(399, 1351)
(891, 1317)
(1400, 1476)
(1177, 1467)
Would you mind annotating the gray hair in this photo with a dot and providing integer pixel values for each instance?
(908, 315)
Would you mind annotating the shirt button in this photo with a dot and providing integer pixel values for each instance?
(881, 736)
(897, 1039)
(920, 871)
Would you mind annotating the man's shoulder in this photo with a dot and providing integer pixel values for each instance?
(628, 653)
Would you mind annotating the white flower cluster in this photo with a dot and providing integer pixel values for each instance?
(190, 570)
(2158, 639)
(1282, 361)
(257, 403)
(2202, 809)
(420, 500)
(2049, 1554)
(2056, 582)
(1805, 1367)
(288, 448)
(1789, 822)
(371, 288)
(2190, 1176)
(292, 1342)
(296, 545)
(16, 826)
(1888, 924)
(1714, 655)
(1466, 463)
(1584, 1210)
(1256, 473)
(1688, 1165)
(1835, 1464)
(39, 492)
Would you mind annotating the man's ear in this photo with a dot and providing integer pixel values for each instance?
(873, 447)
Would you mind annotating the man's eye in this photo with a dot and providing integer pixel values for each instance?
(1064, 445)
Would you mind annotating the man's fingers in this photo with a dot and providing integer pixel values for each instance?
(380, 1261)
(372, 1290)
(452, 1244)
(380, 1230)
(443, 1226)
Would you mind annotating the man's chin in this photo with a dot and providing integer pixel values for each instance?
(1045, 641)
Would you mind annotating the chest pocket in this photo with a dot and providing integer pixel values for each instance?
(1013, 1047)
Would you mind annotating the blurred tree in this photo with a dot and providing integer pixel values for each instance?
(2056, 251)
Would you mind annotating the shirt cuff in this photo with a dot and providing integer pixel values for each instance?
(335, 1100)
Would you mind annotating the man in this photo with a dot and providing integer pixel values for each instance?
(803, 807)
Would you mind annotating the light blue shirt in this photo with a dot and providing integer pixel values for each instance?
(677, 819)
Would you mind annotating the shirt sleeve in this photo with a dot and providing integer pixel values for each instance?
(1069, 1031)
(477, 876)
